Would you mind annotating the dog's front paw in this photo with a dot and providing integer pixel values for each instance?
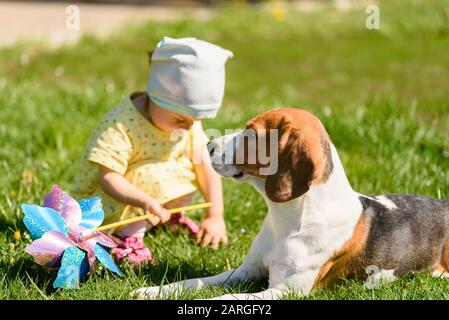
(149, 293)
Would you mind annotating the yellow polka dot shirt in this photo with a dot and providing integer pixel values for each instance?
(155, 161)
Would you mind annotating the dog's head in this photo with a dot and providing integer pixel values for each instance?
(288, 149)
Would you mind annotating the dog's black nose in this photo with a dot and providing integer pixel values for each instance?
(211, 147)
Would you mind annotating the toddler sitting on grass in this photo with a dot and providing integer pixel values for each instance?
(149, 152)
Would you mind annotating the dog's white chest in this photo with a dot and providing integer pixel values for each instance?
(282, 241)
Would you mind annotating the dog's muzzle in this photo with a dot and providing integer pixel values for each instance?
(221, 152)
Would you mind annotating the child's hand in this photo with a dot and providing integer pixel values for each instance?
(116, 186)
(212, 232)
(160, 213)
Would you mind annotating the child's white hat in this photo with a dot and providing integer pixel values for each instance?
(188, 76)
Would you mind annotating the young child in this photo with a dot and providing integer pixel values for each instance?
(149, 153)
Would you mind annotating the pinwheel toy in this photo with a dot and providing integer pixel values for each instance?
(57, 228)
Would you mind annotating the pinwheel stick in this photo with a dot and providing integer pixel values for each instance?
(86, 233)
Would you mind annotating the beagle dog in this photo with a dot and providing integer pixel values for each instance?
(318, 230)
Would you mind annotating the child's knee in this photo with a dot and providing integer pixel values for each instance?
(180, 202)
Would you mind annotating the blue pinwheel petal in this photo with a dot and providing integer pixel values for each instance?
(92, 212)
(40, 220)
(74, 266)
(103, 256)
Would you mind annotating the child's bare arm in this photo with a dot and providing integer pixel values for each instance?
(116, 186)
(213, 228)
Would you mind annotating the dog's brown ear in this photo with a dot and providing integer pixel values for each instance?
(150, 54)
(302, 160)
(304, 154)
(295, 169)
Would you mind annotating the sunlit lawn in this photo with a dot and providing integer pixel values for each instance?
(382, 94)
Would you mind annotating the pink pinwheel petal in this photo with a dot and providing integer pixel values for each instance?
(105, 240)
(96, 237)
(48, 249)
(91, 243)
(88, 244)
(75, 234)
(65, 205)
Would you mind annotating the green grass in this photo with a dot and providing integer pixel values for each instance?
(382, 94)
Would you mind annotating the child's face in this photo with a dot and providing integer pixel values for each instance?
(167, 120)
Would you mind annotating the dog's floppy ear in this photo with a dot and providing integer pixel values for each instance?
(303, 158)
